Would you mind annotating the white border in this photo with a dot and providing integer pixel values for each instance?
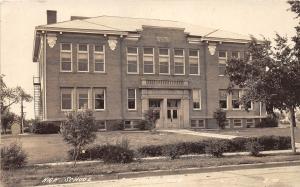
(194, 57)
(131, 109)
(83, 52)
(137, 59)
(94, 99)
(62, 91)
(153, 63)
(159, 55)
(104, 61)
(71, 51)
(176, 56)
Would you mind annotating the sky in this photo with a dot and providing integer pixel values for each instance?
(19, 18)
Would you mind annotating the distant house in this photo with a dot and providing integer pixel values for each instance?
(119, 67)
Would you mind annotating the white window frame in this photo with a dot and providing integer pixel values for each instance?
(252, 123)
(194, 57)
(63, 91)
(183, 57)
(88, 57)
(239, 96)
(70, 51)
(200, 103)
(79, 91)
(227, 100)
(159, 55)
(137, 59)
(94, 99)
(222, 58)
(234, 126)
(98, 52)
(238, 52)
(197, 123)
(131, 109)
(148, 55)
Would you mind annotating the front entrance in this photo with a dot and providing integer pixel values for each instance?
(173, 115)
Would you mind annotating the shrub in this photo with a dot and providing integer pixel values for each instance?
(151, 150)
(173, 151)
(220, 116)
(274, 142)
(254, 147)
(216, 148)
(143, 125)
(268, 122)
(12, 157)
(44, 127)
(237, 144)
(117, 154)
(114, 125)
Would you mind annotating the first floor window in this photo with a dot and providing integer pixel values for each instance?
(196, 99)
(99, 96)
(223, 99)
(66, 57)
(83, 98)
(235, 99)
(66, 99)
(101, 124)
(131, 98)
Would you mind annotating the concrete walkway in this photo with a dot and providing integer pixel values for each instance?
(195, 133)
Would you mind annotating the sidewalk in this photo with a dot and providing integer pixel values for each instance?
(204, 134)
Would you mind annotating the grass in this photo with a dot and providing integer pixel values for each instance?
(249, 132)
(30, 176)
(52, 148)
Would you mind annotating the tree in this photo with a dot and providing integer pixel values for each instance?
(22, 96)
(271, 76)
(220, 116)
(7, 119)
(79, 130)
(151, 116)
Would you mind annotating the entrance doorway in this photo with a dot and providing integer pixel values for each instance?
(173, 106)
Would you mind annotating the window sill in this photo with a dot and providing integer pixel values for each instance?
(196, 109)
(131, 110)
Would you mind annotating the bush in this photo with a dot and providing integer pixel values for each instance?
(114, 125)
(237, 144)
(12, 157)
(220, 116)
(173, 151)
(254, 147)
(216, 148)
(143, 125)
(44, 127)
(267, 122)
(151, 150)
(117, 154)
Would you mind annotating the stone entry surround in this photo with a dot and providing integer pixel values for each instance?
(164, 94)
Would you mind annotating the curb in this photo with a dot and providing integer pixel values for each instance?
(140, 174)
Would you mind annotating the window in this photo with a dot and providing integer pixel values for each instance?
(99, 58)
(164, 61)
(227, 123)
(197, 99)
(235, 100)
(250, 123)
(223, 99)
(99, 99)
(222, 62)
(248, 105)
(66, 99)
(65, 57)
(148, 61)
(179, 68)
(131, 98)
(132, 60)
(194, 62)
(197, 123)
(83, 99)
(101, 125)
(235, 54)
(83, 58)
(127, 124)
(154, 103)
(237, 123)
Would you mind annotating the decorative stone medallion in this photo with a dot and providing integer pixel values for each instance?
(112, 42)
(212, 48)
(51, 38)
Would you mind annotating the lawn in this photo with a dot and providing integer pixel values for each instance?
(249, 132)
(52, 148)
(31, 176)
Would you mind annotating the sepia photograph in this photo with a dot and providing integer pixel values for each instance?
(140, 93)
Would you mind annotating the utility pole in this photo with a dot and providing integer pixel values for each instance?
(22, 116)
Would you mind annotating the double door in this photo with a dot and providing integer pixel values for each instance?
(173, 106)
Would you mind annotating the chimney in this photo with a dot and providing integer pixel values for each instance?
(51, 16)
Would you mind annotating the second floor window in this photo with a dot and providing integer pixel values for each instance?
(194, 62)
(222, 58)
(164, 61)
(83, 58)
(148, 59)
(66, 57)
(131, 99)
(99, 58)
(179, 62)
(132, 60)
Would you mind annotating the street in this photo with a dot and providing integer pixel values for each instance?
(265, 177)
